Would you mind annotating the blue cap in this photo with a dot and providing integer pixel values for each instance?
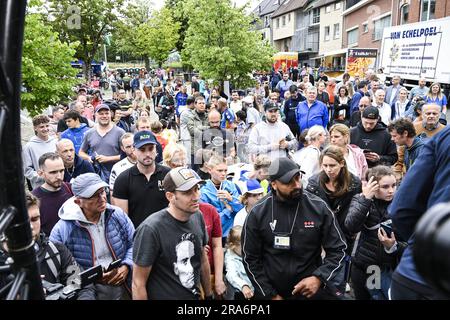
(251, 186)
(144, 137)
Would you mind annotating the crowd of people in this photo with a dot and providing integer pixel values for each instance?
(293, 189)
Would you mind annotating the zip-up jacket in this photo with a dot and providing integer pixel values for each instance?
(276, 271)
(310, 116)
(413, 152)
(427, 183)
(119, 232)
(209, 195)
(339, 206)
(290, 108)
(365, 216)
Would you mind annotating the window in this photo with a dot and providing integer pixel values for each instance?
(337, 6)
(337, 31)
(278, 23)
(283, 21)
(379, 26)
(328, 9)
(352, 37)
(267, 21)
(327, 33)
(316, 15)
(427, 9)
(289, 17)
(404, 14)
(365, 27)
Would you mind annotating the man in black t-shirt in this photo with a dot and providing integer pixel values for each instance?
(138, 190)
(170, 245)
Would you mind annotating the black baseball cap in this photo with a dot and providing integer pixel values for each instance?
(371, 113)
(283, 169)
(269, 105)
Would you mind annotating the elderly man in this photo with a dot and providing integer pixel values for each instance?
(393, 90)
(383, 108)
(311, 111)
(73, 164)
(97, 233)
(430, 125)
(284, 237)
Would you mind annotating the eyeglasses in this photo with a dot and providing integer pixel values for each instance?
(364, 105)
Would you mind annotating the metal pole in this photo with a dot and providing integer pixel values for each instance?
(19, 238)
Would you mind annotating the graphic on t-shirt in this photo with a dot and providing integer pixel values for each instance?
(183, 266)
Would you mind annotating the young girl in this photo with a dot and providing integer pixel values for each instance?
(235, 272)
(251, 192)
(375, 249)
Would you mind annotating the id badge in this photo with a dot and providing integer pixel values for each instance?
(282, 243)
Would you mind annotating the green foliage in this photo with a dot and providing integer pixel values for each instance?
(46, 71)
(146, 35)
(86, 21)
(180, 16)
(221, 44)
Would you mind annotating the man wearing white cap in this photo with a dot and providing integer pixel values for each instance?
(97, 233)
(170, 245)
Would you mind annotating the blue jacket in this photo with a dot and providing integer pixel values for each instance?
(412, 153)
(119, 232)
(425, 184)
(209, 195)
(308, 117)
(76, 135)
(355, 101)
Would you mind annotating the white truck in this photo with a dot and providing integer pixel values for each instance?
(418, 50)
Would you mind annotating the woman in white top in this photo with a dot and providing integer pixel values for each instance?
(308, 158)
(354, 156)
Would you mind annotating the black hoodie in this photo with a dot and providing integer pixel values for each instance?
(378, 140)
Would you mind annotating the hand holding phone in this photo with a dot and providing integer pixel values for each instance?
(113, 265)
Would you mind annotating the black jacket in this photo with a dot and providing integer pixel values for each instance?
(80, 166)
(276, 271)
(339, 206)
(378, 140)
(67, 266)
(290, 108)
(365, 214)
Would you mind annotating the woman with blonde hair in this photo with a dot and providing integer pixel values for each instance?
(436, 96)
(174, 155)
(235, 271)
(354, 156)
(308, 158)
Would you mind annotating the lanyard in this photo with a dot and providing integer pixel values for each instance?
(273, 223)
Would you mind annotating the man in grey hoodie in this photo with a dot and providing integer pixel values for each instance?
(39, 144)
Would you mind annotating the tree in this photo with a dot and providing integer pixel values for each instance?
(179, 15)
(158, 36)
(86, 21)
(221, 44)
(124, 34)
(146, 34)
(47, 75)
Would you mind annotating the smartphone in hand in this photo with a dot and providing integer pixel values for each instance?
(113, 265)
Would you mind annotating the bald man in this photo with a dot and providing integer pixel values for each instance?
(73, 164)
(216, 138)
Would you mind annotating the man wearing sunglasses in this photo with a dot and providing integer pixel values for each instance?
(97, 233)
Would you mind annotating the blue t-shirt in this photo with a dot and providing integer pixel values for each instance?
(440, 102)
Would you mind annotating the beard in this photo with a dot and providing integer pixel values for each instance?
(293, 196)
